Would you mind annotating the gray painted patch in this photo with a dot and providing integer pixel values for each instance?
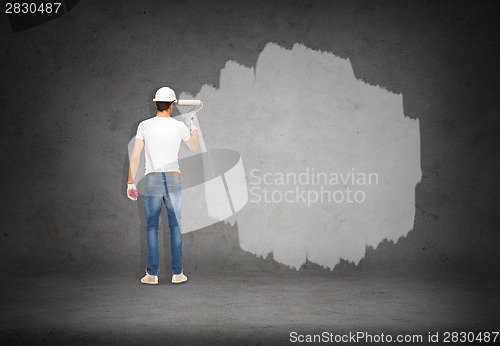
(304, 112)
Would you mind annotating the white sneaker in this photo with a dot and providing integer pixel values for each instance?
(179, 278)
(149, 279)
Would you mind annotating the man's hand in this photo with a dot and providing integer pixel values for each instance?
(193, 126)
(132, 192)
(192, 142)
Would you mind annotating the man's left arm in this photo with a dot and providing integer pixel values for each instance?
(132, 170)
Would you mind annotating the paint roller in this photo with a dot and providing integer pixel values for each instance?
(189, 102)
(194, 103)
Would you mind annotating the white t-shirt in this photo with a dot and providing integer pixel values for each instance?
(162, 138)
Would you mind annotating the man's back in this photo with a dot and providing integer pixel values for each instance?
(162, 138)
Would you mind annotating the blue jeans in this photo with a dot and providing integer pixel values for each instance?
(163, 187)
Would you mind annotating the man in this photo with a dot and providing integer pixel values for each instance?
(161, 138)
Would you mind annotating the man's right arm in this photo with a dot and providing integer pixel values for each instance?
(192, 142)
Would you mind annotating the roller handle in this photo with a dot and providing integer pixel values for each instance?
(189, 102)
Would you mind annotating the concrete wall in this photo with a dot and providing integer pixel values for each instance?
(74, 90)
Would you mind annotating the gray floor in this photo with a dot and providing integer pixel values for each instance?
(241, 307)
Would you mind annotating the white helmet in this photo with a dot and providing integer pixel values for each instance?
(165, 94)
